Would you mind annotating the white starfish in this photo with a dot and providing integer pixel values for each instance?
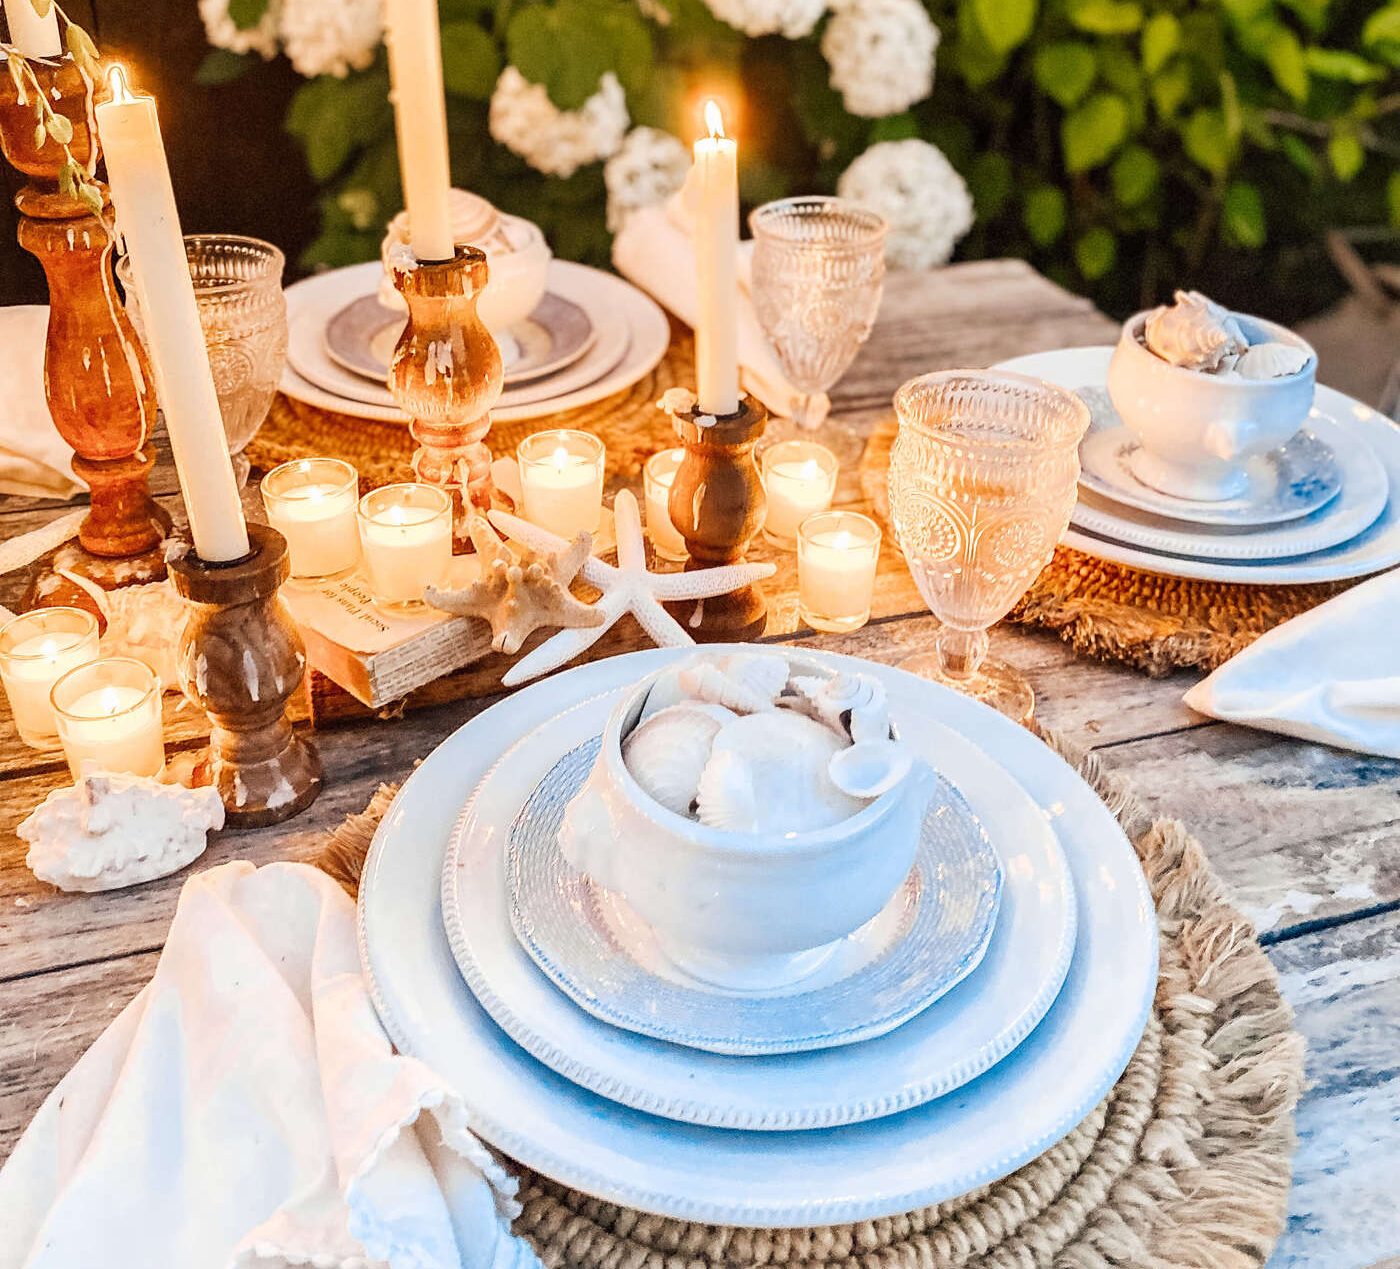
(627, 586)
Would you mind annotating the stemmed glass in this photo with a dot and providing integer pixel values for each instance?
(983, 476)
(818, 272)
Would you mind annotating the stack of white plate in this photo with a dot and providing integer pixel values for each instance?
(962, 1032)
(1323, 507)
(592, 335)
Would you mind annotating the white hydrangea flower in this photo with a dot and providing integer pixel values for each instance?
(650, 167)
(222, 32)
(330, 37)
(791, 18)
(881, 54)
(914, 187)
(553, 141)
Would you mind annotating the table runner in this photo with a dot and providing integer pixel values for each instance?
(1187, 1162)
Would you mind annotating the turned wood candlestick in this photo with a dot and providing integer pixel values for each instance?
(96, 375)
(717, 506)
(446, 374)
(241, 658)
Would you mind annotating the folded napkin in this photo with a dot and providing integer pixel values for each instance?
(1330, 675)
(35, 461)
(246, 1109)
(654, 250)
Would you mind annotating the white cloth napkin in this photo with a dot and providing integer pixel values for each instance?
(35, 461)
(1330, 675)
(654, 250)
(246, 1109)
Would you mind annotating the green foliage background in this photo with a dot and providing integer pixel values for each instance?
(1122, 146)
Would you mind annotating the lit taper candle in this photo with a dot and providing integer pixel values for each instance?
(716, 195)
(147, 219)
(420, 116)
(33, 35)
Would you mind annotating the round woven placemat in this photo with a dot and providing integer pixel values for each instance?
(1186, 1163)
(1146, 620)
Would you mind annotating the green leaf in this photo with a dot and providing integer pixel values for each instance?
(1243, 220)
(246, 14)
(1065, 70)
(333, 117)
(1381, 34)
(83, 50)
(1170, 88)
(899, 127)
(1161, 38)
(1095, 253)
(1245, 12)
(1045, 214)
(91, 198)
(570, 45)
(1135, 175)
(221, 67)
(471, 62)
(1335, 63)
(1392, 197)
(1284, 56)
(1093, 131)
(1345, 153)
(971, 55)
(1207, 141)
(60, 128)
(1299, 153)
(1005, 24)
(990, 180)
(1312, 12)
(1105, 17)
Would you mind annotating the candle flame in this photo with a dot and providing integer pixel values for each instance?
(811, 469)
(109, 701)
(714, 120)
(118, 88)
(842, 540)
(394, 515)
(560, 458)
(50, 647)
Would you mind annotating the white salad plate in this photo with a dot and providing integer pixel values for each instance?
(970, 1029)
(979, 1132)
(1297, 479)
(633, 335)
(1370, 551)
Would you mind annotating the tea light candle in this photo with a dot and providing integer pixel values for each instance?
(406, 538)
(311, 502)
(658, 476)
(561, 481)
(108, 716)
(36, 650)
(799, 479)
(837, 552)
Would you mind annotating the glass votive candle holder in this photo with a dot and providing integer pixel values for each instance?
(837, 552)
(799, 479)
(561, 480)
(311, 502)
(108, 716)
(36, 650)
(406, 542)
(658, 475)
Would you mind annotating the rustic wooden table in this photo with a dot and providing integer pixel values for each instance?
(1303, 835)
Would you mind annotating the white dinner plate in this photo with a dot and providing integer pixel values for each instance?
(970, 1029)
(1370, 551)
(978, 1133)
(646, 332)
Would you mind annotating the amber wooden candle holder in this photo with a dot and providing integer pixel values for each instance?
(96, 375)
(717, 506)
(241, 658)
(446, 374)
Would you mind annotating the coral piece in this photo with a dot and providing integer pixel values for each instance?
(627, 586)
(516, 597)
(110, 830)
(1194, 333)
(666, 754)
(1273, 360)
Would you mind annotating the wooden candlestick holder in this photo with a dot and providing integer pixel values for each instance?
(241, 658)
(717, 506)
(96, 376)
(446, 374)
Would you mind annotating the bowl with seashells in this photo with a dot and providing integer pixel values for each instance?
(1204, 390)
(754, 808)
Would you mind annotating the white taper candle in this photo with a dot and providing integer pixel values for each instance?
(716, 175)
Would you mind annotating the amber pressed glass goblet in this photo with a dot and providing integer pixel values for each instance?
(982, 481)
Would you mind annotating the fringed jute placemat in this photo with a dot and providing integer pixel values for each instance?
(1185, 1165)
(1146, 620)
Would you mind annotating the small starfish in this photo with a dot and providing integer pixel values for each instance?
(627, 586)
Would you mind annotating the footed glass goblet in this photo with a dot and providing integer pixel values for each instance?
(983, 476)
(818, 274)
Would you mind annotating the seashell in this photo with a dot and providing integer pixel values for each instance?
(768, 774)
(1194, 333)
(667, 753)
(112, 830)
(852, 704)
(746, 682)
(1273, 360)
(870, 768)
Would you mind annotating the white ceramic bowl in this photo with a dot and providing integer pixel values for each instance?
(1196, 430)
(741, 911)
